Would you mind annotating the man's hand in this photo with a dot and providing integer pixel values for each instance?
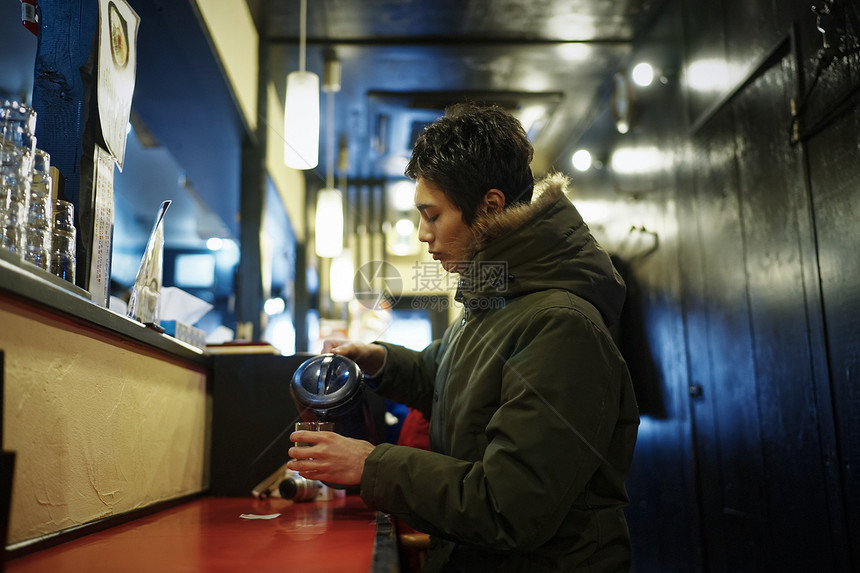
(369, 357)
(330, 457)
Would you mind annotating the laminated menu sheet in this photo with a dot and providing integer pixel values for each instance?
(99, 276)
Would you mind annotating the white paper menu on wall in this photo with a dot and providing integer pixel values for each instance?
(99, 276)
(117, 58)
(117, 64)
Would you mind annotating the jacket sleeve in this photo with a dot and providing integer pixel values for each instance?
(408, 376)
(560, 396)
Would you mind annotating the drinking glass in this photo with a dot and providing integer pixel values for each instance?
(63, 237)
(38, 228)
(14, 197)
(17, 145)
(313, 427)
(18, 126)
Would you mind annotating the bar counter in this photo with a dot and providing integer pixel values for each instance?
(208, 535)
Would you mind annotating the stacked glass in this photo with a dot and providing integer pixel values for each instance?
(17, 148)
(33, 226)
(39, 225)
(63, 249)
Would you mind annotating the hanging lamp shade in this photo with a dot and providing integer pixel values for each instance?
(341, 276)
(328, 232)
(302, 120)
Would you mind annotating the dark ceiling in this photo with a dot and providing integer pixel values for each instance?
(403, 61)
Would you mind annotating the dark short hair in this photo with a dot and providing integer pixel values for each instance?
(472, 149)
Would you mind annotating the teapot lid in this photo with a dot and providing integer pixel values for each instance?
(325, 382)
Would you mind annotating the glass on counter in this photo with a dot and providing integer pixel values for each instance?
(17, 149)
(39, 223)
(18, 126)
(63, 237)
(14, 197)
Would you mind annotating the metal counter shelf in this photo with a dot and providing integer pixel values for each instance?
(39, 288)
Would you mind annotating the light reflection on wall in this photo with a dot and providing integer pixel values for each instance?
(572, 24)
(593, 212)
(709, 75)
(638, 160)
(575, 51)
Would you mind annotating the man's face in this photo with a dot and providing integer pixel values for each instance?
(441, 226)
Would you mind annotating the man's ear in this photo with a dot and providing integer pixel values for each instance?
(494, 201)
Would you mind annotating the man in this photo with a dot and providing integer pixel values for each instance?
(532, 414)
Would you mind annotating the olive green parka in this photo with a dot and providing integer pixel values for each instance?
(532, 414)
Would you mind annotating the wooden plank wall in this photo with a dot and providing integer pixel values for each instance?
(751, 297)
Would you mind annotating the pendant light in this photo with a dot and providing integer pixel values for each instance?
(302, 109)
(328, 223)
(341, 277)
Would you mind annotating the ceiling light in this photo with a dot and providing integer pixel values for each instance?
(328, 223)
(643, 74)
(214, 243)
(400, 238)
(331, 74)
(273, 306)
(402, 195)
(302, 110)
(621, 102)
(341, 277)
(581, 160)
(531, 117)
(404, 227)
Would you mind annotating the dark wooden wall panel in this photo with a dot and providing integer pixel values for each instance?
(731, 472)
(692, 307)
(661, 484)
(765, 289)
(752, 30)
(834, 158)
(696, 312)
(773, 193)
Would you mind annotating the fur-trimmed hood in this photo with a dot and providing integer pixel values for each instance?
(542, 245)
(487, 228)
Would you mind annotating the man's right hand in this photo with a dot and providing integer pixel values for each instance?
(369, 357)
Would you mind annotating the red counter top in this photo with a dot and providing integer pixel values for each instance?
(208, 535)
